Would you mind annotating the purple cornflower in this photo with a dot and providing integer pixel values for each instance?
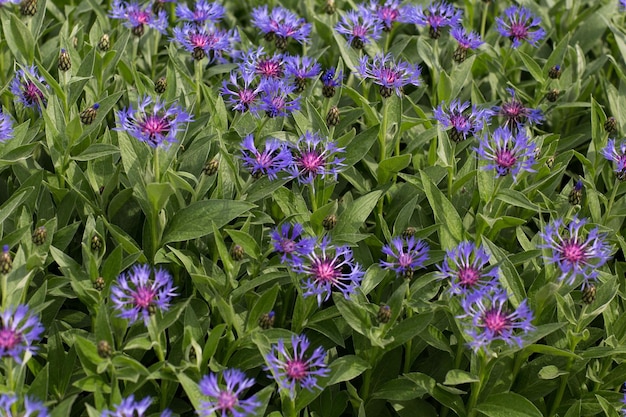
(622, 8)
(313, 157)
(257, 62)
(206, 41)
(516, 113)
(296, 369)
(387, 12)
(31, 407)
(203, 12)
(389, 74)
(507, 152)
(575, 252)
(519, 24)
(466, 41)
(360, 27)
(274, 158)
(226, 401)
(465, 266)
(289, 242)
(463, 124)
(330, 80)
(19, 329)
(157, 127)
(129, 407)
(3, 2)
(141, 292)
(137, 18)
(617, 154)
(491, 320)
(406, 254)
(280, 24)
(26, 91)
(244, 97)
(275, 100)
(329, 267)
(6, 126)
(301, 68)
(439, 14)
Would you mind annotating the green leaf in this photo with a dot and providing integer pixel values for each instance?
(457, 377)
(532, 66)
(408, 329)
(391, 166)
(353, 217)
(550, 372)
(451, 225)
(346, 368)
(19, 39)
(158, 194)
(197, 219)
(263, 305)
(401, 389)
(508, 405)
(517, 199)
(359, 146)
(97, 150)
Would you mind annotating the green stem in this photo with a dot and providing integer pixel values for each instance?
(477, 386)
(408, 345)
(312, 196)
(382, 134)
(483, 21)
(198, 73)
(156, 167)
(609, 206)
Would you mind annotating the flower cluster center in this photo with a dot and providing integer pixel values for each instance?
(296, 369)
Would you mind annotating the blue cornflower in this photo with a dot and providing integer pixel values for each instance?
(491, 320)
(6, 126)
(226, 401)
(274, 158)
(31, 407)
(290, 370)
(257, 62)
(206, 41)
(313, 157)
(388, 74)
(19, 329)
(130, 407)
(142, 291)
(158, 126)
(466, 41)
(622, 8)
(289, 242)
(465, 266)
(241, 97)
(275, 99)
(517, 114)
(360, 27)
(204, 12)
(329, 267)
(439, 14)
(507, 152)
(406, 255)
(617, 154)
(331, 79)
(462, 124)
(387, 12)
(26, 91)
(280, 24)
(136, 18)
(3, 2)
(575, 252)
(520, 24)
(301, 68)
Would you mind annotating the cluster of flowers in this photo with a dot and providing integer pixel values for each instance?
(311, 156)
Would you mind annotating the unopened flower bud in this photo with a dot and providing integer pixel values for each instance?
(161, 85)
(555, 72)
(384, 314)
(329, 222)
(576, 195)
(104, 43)
(408, 232)
(236, 252)
(589, 294)
(65, 62)
(39, 235)
(610, 126)
(104, 349)
(211, 167)
(266, 321)
(332, 118)
(552, 95)
(6, 261)
(88, 115)
(96, 243)
(99, 284)
(28, 7)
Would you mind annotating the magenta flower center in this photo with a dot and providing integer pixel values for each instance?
(468, 276)
(296, 369)
(264, 159)
(325, 271)
(32, 93)
(9, 338)
(359, 31)
(288, 245)
(513, 110)
(142, 17)
(495, 321)
(519, 30)
(387, 13)
(199, 40)
(269, 68)
(143, 297)
(436, 21)
(311, 161)
(226, 400)
(505, 158)
(405, 260)
(460, 122)
(246, 96)
(573, 252)
(388, 76)
(155, 126)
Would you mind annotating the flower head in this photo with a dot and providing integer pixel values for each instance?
(280, 24)
(360, 27)
(289, 242)
(226, 401)
(506, 152)
(390, 75)
(19, 329)
(406, 255)
(136, 18)
(158, 126)
(275, 99)
(622, 5)
(491, 320)
(439, 14)
(25, 90)
(204, 12)
(519, 24)
(300, 69)
(516, 114)
(466, 41)
(617, 154)
(6, 126)
(241, 97)
(574, 251)
(129, 407)
(256, 62)
(206, 41)
(329, 267)
(330, 80)
(462, 124)
(30, 407)
(142, 291)
(274, 158)
(291, 370)
(387, 12)
(313, 157)
(465, 266)
(3, 2)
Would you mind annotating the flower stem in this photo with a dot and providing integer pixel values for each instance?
(609, 206)
(483, 21)
(477, 386)
(408, 345)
